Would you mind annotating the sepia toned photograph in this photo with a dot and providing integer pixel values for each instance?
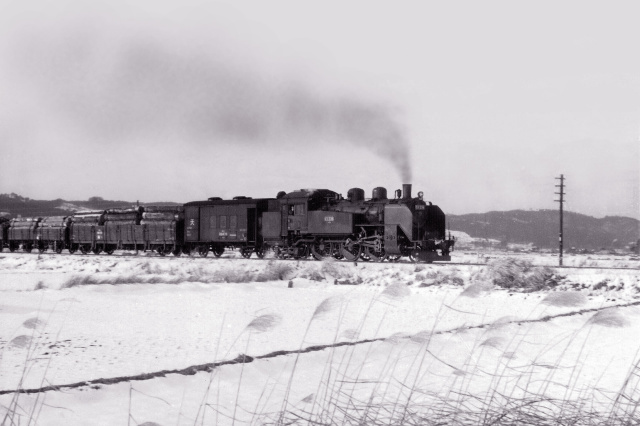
(319, 213)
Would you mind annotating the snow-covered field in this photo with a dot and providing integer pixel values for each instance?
(120, 339)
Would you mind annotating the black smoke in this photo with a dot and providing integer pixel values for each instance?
(139, 88)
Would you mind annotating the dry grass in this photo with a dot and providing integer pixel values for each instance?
(565, 299)
(609, 318)
(273, 271)
(520, 274)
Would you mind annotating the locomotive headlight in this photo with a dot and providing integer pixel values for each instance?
(420, 195)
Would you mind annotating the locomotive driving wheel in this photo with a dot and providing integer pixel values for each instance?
(320, 249)
(350, 250)
(376, 256)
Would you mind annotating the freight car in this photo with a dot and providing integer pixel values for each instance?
(307, 222)
(4, 226)
(216, 224)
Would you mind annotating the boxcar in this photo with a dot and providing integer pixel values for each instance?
(214, 225)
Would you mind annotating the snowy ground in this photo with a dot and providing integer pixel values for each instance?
(445, 339)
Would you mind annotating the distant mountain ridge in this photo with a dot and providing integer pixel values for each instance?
(541, 228)
(16, 205)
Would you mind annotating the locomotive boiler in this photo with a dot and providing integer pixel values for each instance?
(322, 223)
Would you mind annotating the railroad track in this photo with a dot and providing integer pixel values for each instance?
(399, 262)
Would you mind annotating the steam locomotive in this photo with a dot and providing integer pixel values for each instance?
(307, 222)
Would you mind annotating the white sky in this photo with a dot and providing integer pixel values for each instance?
(179, 101)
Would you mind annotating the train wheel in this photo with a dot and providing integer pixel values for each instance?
(12, 247)
(187, 250)
(280, 254)
(218, 250)
(246, 252)
(109, 250)
(177, 251)
(350, 250)
(260, 251)
(301, 252)
(97, 250)
(320, 249)
(42, 248)
(72, 248)
(28, 247)
(84, 249)
(203, 251)
(160, 251)
(59, 245)
(376, 256)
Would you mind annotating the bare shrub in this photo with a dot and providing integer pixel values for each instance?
(275, 271)
(437, 278)
(330, 267)
(602, 284)
(513, 273)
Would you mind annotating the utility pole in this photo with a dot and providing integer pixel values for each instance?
(561, 201)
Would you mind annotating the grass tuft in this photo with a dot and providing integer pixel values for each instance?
(513, 273)
(568, 299)
(327, 305)
(397, 291)
(609, 318)
(264, 323)
(33, 323)
(22, 341)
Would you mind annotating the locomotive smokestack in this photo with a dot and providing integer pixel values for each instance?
(406, 191)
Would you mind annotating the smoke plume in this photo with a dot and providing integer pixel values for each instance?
(143, 89)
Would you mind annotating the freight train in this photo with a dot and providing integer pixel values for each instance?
(308, 222)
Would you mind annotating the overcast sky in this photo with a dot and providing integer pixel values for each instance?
(478, 104)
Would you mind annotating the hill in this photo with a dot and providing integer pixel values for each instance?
(16, 205)
(541, 228)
